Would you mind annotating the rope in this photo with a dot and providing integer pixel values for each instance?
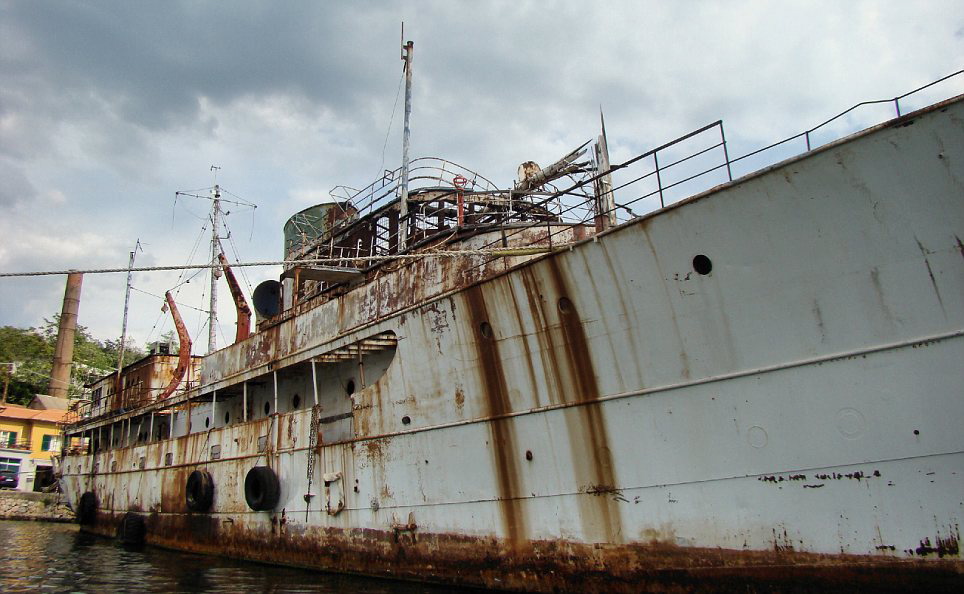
(527, 251)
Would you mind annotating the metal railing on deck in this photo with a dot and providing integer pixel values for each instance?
(424, 172)
(806, 133)
(683, 167)
(648, 177)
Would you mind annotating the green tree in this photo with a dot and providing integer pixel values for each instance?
(32, 350)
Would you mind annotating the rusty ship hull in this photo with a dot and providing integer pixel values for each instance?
(760, 385)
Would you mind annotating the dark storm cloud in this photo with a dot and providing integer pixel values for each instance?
(153, 61)
(108, 107)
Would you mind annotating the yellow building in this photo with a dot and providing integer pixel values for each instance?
(28, 438)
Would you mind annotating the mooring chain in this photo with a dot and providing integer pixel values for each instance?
(312, 444)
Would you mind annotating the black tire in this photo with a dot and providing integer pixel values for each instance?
(132, 529)
(87, 508)
(262, 489)
(199, 491)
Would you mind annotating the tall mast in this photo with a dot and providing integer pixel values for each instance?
(215, 270)
(127, 301)
(216, 200)
(407, 50)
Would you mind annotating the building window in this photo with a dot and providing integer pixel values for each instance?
(50, 443)
(9, 465)
(8, 438)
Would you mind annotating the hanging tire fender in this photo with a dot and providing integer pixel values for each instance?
(262, 489)
(87, 508)
(199, 491)
(132, 529)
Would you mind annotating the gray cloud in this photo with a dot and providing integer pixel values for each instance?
(14, 187)
(108, 107)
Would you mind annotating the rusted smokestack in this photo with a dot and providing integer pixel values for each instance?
(64, 353)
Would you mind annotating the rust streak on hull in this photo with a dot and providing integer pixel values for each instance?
(540, 565)
(502, 430)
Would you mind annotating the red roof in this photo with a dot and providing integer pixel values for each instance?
(14, 411)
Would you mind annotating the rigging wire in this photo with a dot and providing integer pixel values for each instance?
(237, 256)
(509, 251)
(391, 121)
(162, 298)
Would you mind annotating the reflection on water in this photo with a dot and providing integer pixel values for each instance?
(58, 557)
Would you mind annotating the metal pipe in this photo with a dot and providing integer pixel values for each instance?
(314, 381)
(213, 312)
(127, 301)
(64, 351)
(361, 368)
(659, 182)
(244, 404)
(275, 377)
(726, 154)
(407, 51)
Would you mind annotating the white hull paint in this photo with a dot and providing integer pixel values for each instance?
(804, 398)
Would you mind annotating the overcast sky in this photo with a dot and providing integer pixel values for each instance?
(107, 108)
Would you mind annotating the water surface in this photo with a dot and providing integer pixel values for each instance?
(39, 556)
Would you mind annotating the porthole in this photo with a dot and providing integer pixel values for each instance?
(406, 420)
(296, 401)
(702, 264)
(350, 387)
(267, 408)
(565, 306)
(207, 422)
(485, 329)
(227, 418)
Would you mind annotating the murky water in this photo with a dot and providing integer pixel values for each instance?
(38, 556)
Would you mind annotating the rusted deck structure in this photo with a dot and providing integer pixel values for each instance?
(753, 386)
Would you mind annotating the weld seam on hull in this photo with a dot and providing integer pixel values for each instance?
(754, 476)
(646, 391)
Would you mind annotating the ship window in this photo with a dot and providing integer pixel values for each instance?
(207, 422)
(350, 387)
(168, 458)
(267, 408)
(485, 329)
(227, 418)
(406, 420)
(141, 462)
(113, 465)
(216, 452)
(296, 401)
(702, 264)
(566, 306)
